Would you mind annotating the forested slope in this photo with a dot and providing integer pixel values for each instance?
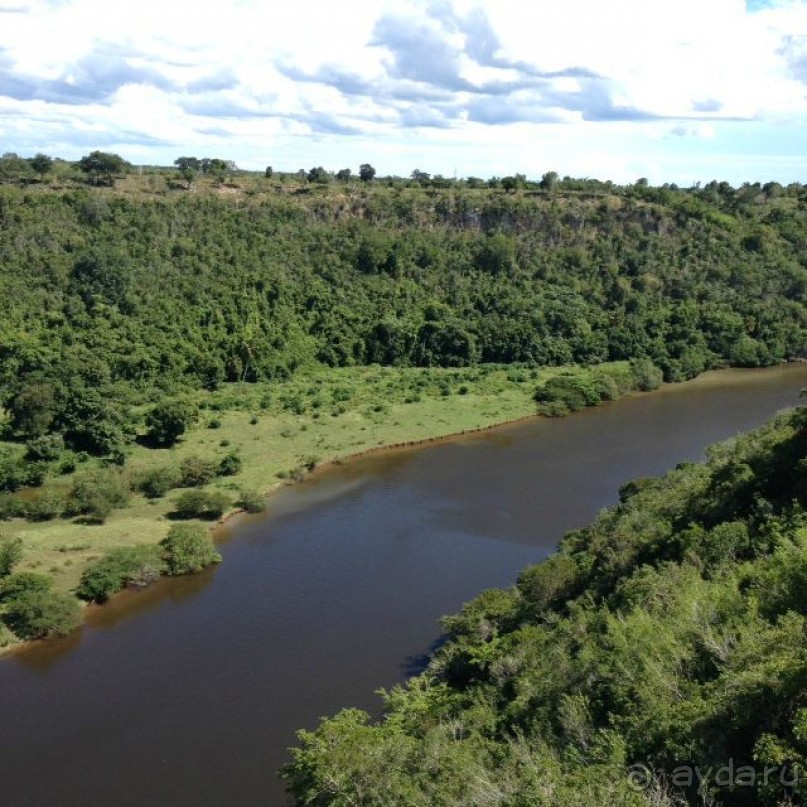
(152, 289)
(661, 652)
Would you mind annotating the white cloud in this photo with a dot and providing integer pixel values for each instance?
(496, 85)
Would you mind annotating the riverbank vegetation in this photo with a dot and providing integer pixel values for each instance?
(658, 658)
(175, 341)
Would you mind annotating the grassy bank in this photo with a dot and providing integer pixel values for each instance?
(282, 431)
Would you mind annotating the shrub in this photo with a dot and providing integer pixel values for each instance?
(215, 423)
(251, 501)
(646, 375)
(17, 473)
(10, 554)
(196, 471)
(12, 506)
(38, 614)
(68, 462)
(606, 387)
(46, 448)
(125, 565)
(49, 504)
(574, 392)
(230, 465)
(201, 504)
(188, 548)
(97, 493)
(20, 583)
(156, 482)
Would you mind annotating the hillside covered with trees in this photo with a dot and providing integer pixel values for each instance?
(658, 658)
(117, 290)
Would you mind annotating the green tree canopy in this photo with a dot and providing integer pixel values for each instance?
(102, 168)
(169, 420)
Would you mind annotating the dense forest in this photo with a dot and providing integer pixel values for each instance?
(111, 292)
(658, 658)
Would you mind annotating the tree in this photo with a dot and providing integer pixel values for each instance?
(201, 504)
(513, 183)
(343, 175)
(366, 172)
(420, 176)
(318, 175)
(269, 172)
(215, 167)
(548, 181)
(41, 163)
(102, 167)
(169, 420)
(96, 493)
(188, 548)
(188, 167)
(122, 566)
(91, 421)
(38, 614)
(32, 409)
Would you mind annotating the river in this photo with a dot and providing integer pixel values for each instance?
(189, 693)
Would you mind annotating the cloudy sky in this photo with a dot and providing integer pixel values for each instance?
(674, 90)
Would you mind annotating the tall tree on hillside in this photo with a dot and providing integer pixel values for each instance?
(366, 172)
(42, 164)
(188, 167)
(102, 168)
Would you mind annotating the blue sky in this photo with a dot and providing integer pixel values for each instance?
(673, 90)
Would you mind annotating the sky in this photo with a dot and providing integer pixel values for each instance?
(673, 90)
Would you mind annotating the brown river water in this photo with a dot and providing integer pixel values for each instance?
(189, 693)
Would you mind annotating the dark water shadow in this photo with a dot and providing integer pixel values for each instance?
(419, 662)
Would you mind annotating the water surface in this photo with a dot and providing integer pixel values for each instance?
(190, 692)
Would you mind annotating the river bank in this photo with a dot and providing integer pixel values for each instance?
(289, 432)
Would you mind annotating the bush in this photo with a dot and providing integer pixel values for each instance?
(17, 473)
(230, 465)
(646, 375)
(251, 501)
(201, 504)
(10, 554)
(572, 391)
(47, 448)
(20, 583)
(156, 482)
(38, 614)
(12, 506)
(195, 471)
(188, 548)
(68, 462)
(97, 493)
(48, 505)
(125, 565)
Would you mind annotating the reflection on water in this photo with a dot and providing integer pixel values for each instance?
(189, 692)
